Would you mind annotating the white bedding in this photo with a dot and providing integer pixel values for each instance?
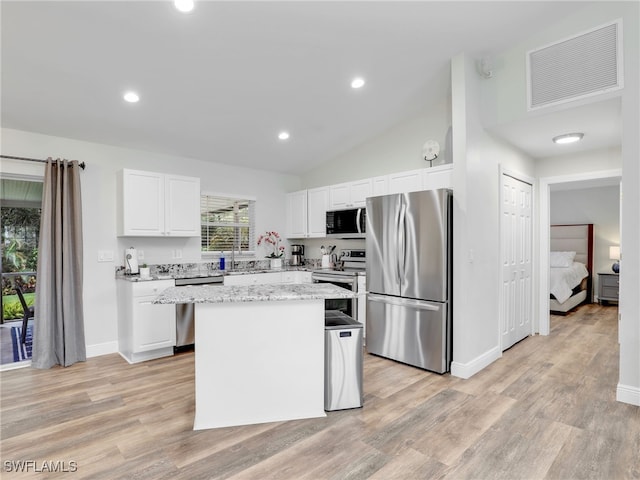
(564, 279)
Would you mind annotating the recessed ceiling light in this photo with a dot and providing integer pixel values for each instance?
(184, 6)
(357, 82)
(568, 138)
(283, 135)
(131, 97)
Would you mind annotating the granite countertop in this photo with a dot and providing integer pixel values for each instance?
(251, 293)
(217, 273)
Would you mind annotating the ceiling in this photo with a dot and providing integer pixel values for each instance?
(219, 83)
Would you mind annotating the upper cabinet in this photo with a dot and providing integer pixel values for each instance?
(317, 203)
(296, 214)
(350, 194)
(440, 176)
(154, 204)
(403, 182)
(307, 209)
(306, 213)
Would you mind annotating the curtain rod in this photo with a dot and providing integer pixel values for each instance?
(81, 165)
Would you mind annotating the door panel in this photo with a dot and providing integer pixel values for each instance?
(411, 332)
(516, 251)
(383, 268)
(424, 238)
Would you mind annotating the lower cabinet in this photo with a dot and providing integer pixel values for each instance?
(289, 276)
(145, 330)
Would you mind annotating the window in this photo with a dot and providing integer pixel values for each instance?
(227, 223)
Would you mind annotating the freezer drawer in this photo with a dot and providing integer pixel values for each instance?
(415, 332)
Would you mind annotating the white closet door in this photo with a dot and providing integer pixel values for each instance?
(516, 228)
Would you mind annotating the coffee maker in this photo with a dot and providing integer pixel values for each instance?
(297, 255)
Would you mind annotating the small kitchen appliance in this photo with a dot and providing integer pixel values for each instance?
(297, 255)
(130, 261)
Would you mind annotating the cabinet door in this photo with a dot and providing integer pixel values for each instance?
(380, 185)
(360, 190)
(182, 207)
(317, 201)
(252, 279)
(437, 177)
(296, 214)
(403, 182)
(339, 196)
(154, 326)
(142, 208)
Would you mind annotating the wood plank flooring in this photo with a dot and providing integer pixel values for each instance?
(545, 410)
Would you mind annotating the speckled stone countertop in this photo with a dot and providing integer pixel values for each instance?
(252, 293)
(216, 273)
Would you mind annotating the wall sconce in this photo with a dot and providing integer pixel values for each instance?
(614, 254)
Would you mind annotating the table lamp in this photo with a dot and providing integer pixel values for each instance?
(614, 254)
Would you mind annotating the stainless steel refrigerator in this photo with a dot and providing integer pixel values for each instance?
(409, 264)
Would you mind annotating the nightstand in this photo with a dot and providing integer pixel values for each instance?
(608, 287)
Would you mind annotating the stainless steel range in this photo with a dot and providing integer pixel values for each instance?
(350, 274)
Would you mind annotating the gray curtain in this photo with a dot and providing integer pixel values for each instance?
(58, 336)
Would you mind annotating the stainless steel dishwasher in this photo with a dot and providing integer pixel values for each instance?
(185, 332)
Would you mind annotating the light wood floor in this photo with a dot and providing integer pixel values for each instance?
(546, 409)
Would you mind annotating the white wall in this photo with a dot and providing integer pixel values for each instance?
(477, 160)
(597, 205)
(98, 184)
(581, 162)
(505, 101)
(396, 150)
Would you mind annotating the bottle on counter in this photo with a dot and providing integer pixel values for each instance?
(222, 262)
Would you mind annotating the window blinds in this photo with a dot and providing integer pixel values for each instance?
(226, 224)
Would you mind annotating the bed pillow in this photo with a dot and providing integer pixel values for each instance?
(561, 259)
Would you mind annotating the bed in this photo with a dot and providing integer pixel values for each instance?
(571, 275)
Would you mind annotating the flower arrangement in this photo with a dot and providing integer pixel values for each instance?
(271, 240)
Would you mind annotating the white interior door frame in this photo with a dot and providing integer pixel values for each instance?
(531, 181)
(544, 229)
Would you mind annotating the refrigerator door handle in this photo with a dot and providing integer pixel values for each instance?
(404, 302)
(400, 241)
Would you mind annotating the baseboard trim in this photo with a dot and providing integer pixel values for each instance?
(467, 370)
(628, 394)
(102, 349)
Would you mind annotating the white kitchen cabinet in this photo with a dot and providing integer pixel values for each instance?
(379, 185)
(440, 176)
(266, 278)
(153, 204)
(145, 330)
(296, 276)
(317, 202)
(296, 214)
(252, 279)
(306, 213)
(350, 194)
(403, 182)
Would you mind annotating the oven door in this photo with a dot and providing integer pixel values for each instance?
(348, 306)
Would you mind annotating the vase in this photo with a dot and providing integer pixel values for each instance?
(276, 263)
(145, 272)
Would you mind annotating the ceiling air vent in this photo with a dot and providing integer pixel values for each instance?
(584, 65)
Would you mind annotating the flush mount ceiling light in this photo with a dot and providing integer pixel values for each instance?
(357, 82)
(131, 97)
(283, 135)
(184, 6)
(568, 138)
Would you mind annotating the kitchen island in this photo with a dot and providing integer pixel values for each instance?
(259, 351)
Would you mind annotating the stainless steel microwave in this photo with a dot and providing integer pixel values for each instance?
(349, 223)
